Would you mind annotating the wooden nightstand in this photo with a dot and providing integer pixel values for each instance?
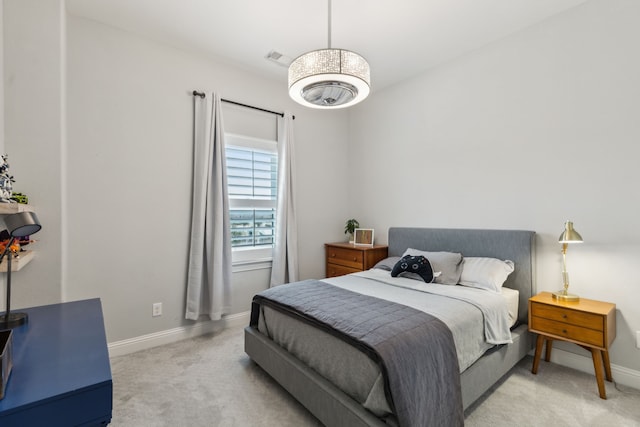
(590, 324)
(345, 258)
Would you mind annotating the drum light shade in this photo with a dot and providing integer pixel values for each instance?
(329, 78)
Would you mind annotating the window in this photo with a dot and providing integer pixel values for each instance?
(252, 171)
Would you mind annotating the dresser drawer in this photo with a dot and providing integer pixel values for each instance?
(565, 315)
(334, 270)
(346, 257)
(568, 331)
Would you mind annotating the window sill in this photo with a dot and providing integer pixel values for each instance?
(249, 265)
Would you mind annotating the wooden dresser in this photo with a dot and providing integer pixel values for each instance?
(590, 324)
(345, 258)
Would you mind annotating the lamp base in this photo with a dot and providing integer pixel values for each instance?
(565, 296)
(13, 320)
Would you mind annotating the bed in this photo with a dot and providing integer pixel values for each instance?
(334, 407)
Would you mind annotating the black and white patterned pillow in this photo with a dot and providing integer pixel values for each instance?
(413, 267)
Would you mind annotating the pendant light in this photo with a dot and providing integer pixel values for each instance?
(329, 78)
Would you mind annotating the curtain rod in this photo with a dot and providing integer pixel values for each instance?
(202, 95)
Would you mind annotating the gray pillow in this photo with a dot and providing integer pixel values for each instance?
(449, 264)
(387, 263)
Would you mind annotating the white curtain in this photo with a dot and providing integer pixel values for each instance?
(209, 275)
(285, 253)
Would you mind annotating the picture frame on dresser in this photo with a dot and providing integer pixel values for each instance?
(363, 237)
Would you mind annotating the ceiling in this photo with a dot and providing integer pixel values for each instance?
(400, 39)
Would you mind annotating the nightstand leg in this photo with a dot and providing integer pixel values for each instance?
(536, 357)
(549, 346)
(607, 365)
(598, 367)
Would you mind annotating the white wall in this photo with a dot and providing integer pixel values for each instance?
(126, 162)
(34, 133)
(130, 137)
(525, 133)
(2, 77)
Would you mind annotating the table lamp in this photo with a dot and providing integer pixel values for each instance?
(569, 235)
(20, 224)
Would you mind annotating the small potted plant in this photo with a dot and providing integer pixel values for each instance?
(350, 227)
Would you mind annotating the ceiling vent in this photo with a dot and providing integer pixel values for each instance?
(278, 58)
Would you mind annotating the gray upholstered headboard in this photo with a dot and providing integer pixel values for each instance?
(515, 245)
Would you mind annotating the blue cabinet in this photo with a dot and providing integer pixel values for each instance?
(61, 374)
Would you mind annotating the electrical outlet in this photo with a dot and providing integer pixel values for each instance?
(638, 339)
(156, 309)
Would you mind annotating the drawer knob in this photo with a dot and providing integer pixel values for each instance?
(564, 331)
(333, 255)
(355, 259)
(564, 316)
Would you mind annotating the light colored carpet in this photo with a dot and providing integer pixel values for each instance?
(210, 381)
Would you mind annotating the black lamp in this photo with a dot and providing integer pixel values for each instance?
(20, 224)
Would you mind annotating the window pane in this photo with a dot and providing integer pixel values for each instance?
(251, 173)
(252, 227)
(252, 181)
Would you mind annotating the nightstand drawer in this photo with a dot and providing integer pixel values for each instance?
(346, 257)
(334, 270)
(565, 315)
(567, 331)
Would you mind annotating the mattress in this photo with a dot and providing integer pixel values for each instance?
(355, 373)
(512, 297)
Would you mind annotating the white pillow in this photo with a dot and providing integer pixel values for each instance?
(486, 273)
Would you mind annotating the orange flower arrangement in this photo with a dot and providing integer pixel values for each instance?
(15, 246)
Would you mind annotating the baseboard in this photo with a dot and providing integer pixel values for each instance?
(131, 345)
(621, 375)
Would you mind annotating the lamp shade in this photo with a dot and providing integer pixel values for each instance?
(329, 78)
(22, 224)
(569, 235)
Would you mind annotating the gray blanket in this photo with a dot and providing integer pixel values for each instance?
(415, 351)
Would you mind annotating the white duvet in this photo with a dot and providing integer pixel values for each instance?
(478, 319)
(494, 307)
